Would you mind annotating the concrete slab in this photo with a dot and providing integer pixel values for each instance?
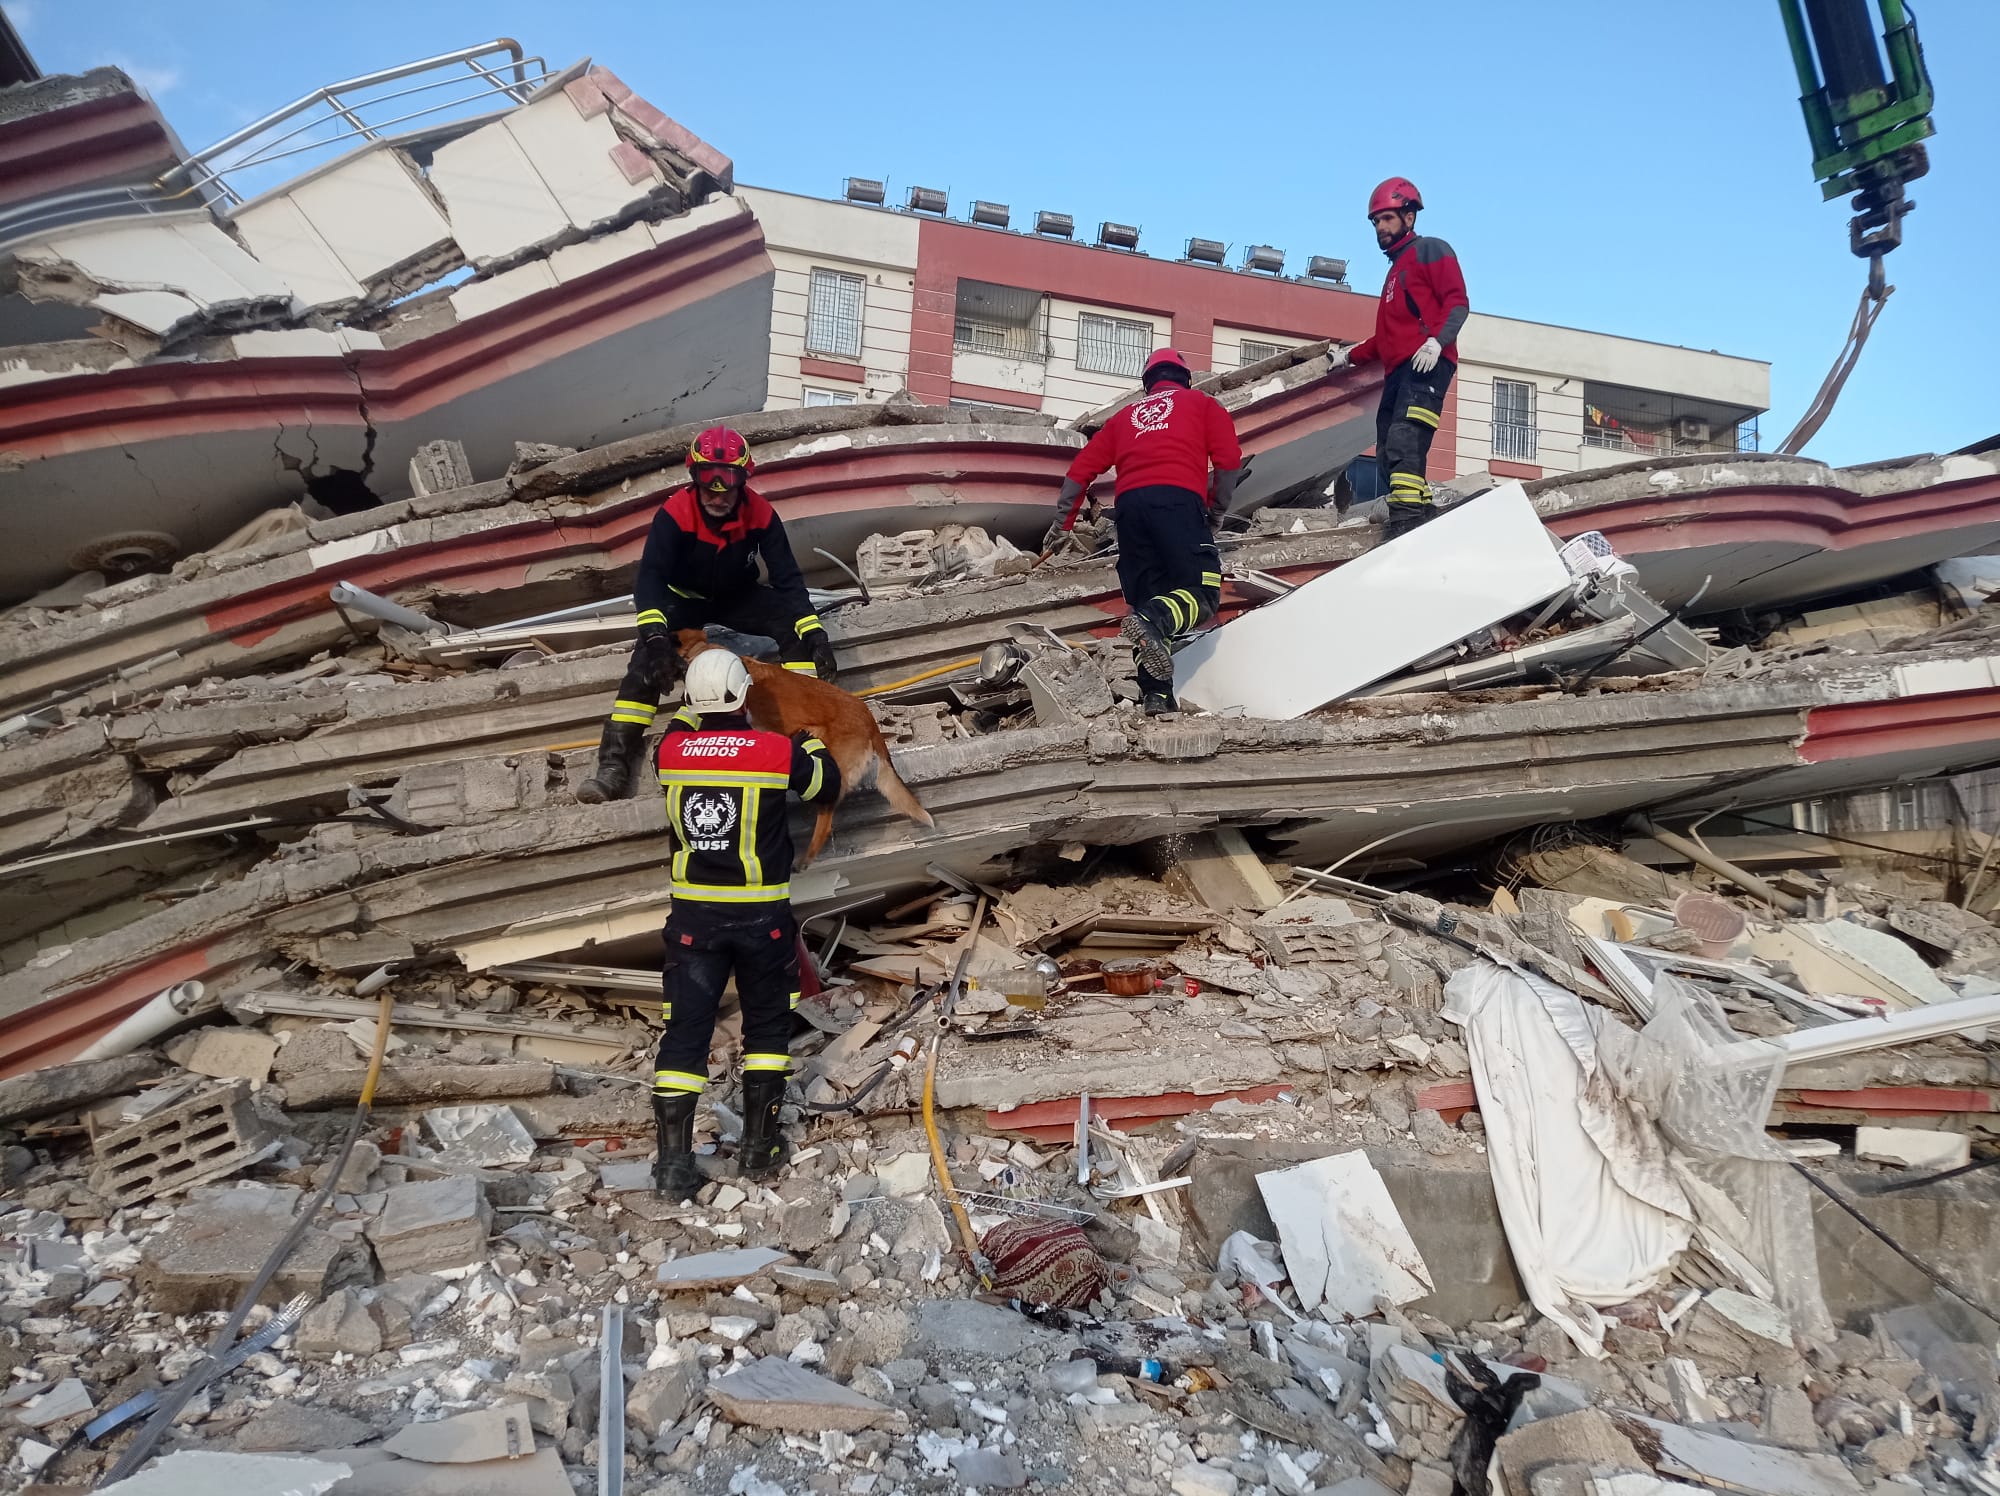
(773, 1393)
(497, 203)
(501, 1433)
(379, 1474)
(573, 155)
(188, 1472)
(705, 1270)
(233, 1054)
(371, 214)
(281, 236)
(216, 1244)
(432, 1224)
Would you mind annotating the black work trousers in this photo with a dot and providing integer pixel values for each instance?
(1405, 423)
(1168, 566)
(754, 610)
(706, 944)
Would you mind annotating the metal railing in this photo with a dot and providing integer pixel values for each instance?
(1515, 443)
(348, 110)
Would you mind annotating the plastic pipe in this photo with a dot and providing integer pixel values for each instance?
(158, 1014)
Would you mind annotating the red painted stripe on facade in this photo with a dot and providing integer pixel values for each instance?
(1499, 467)
(96, 143)
(1872, 729)
(1927, 1099)
(1192, 298)
(1825, 519)
(125, 406)
(826, 368)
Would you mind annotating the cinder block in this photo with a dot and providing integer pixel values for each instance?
(212, 1133)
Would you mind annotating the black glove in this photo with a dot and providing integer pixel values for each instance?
(823, 660)
(657, 650)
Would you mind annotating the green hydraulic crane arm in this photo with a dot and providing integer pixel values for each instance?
(1867, 125)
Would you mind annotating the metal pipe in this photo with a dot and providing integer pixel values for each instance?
(152, 1019)
(361, 600)
(611, 1403)
(1696, 853)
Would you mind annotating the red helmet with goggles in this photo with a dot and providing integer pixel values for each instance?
(714, 454)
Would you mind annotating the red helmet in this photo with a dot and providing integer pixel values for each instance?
(1397, 195)
(1166, 358)
(720, 447)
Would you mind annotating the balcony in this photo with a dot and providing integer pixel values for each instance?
(1627, 425)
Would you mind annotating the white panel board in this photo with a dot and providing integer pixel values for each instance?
(1473, 565)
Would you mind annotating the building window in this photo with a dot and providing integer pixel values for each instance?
(828, 397)
(833, 314)
(1514, 420)
(1647, 423)
(1255, 352)
(1004, 321)
(1112, 345)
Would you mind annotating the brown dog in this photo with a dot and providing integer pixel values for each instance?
(789, 701)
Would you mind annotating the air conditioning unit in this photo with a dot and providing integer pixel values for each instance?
(1694, 428)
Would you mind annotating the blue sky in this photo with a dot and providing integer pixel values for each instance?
(1634, 168)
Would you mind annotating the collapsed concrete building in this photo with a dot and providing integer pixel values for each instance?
(1228, 1054)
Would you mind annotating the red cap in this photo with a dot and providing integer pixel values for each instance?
(1397, 195)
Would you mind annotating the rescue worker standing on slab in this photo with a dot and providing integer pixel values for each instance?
(1162, 446)
(700, 567)
(1417, 323)
(725, 784)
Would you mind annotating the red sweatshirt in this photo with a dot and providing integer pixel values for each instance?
(1423, 296)
(1168, 437)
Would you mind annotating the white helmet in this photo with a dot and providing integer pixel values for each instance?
(716, 682)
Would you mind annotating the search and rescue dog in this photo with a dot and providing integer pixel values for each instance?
(786, 701)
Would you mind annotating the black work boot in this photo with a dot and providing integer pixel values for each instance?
(1149, 645)
(1160, 704)
(674, 1174)
(617, 752)
(1404, 518)
(764, 1148)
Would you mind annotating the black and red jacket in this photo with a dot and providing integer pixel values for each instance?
(1423, 296)
(726, 787)
(1168, 437)
(688, 557)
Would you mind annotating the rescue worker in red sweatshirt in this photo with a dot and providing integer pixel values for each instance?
(700, 567)
(726, 785)
(1417, 322)
(1167, 507)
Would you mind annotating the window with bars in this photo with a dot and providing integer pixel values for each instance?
(829, 397)
(1112, 345)
(1255, 352)
(833, 314)
(1514, 434)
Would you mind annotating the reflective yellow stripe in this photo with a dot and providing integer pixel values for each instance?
(633, 719)
(709, 893)
(680, 592)
(666, 1012)
(1193, 607)
(635, 706)
(737, 780)
(746, 838)
(639, 713)
(819, 772)
(1417, 503)
(1174, 607)
(1211, 579)
(778, 1062)
(1418, 413)
(652, 615)
(795, 999)
(804, 667)
(679, 1080)
(687, 716)
(806, 625)
(680, 862)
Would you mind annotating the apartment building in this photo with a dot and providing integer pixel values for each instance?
(871, 299)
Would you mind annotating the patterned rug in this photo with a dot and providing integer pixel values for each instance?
(1044, 1262)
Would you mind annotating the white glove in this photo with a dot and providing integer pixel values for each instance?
(1338, 359)
(1425, 358)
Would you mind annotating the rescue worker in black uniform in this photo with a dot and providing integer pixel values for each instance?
(726, 784)
(700, 567)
